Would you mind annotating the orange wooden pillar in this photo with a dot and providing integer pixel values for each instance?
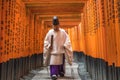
(37, 25)
(110, 32)
(31, 34)
(3, 29)
(81, 34)
(42, 33)
(90, 36)
(72, 38)
(75, 40)
(101, 31)
(70, 35)
(27, 33)
(117, 30)
(0, 31)
(2, 18)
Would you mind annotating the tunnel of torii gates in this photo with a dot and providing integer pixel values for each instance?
(93, 27)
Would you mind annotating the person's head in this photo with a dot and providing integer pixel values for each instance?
(55, 23)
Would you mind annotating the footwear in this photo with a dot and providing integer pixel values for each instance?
(61, 74)
(54, 77)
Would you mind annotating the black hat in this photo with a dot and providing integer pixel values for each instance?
(55, 20)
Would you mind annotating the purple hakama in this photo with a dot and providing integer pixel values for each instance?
(57, 69)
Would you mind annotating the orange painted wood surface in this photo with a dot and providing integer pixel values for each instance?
(95, 31)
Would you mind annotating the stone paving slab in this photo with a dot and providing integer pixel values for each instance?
(83, 72)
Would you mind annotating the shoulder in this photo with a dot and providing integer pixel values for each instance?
(50, 31)
(62, 30)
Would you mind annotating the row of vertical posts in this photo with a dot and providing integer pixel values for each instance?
(76, 36)
(101, 32)
(100, 70)
(14, 69)
(20, 36)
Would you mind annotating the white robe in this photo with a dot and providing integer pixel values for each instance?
(61, 45)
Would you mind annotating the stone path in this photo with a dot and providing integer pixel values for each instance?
(43, 74)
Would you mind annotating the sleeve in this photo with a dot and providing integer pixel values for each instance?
(68, 49)
(46, 47)
(67, 43)
(46, 43)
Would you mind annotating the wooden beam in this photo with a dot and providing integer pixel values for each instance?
(62, 19)
(56, 13)
(60, 15)
(53, 1)
(56, 8)
(65, 22)
(35, 5)
(62, 26)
